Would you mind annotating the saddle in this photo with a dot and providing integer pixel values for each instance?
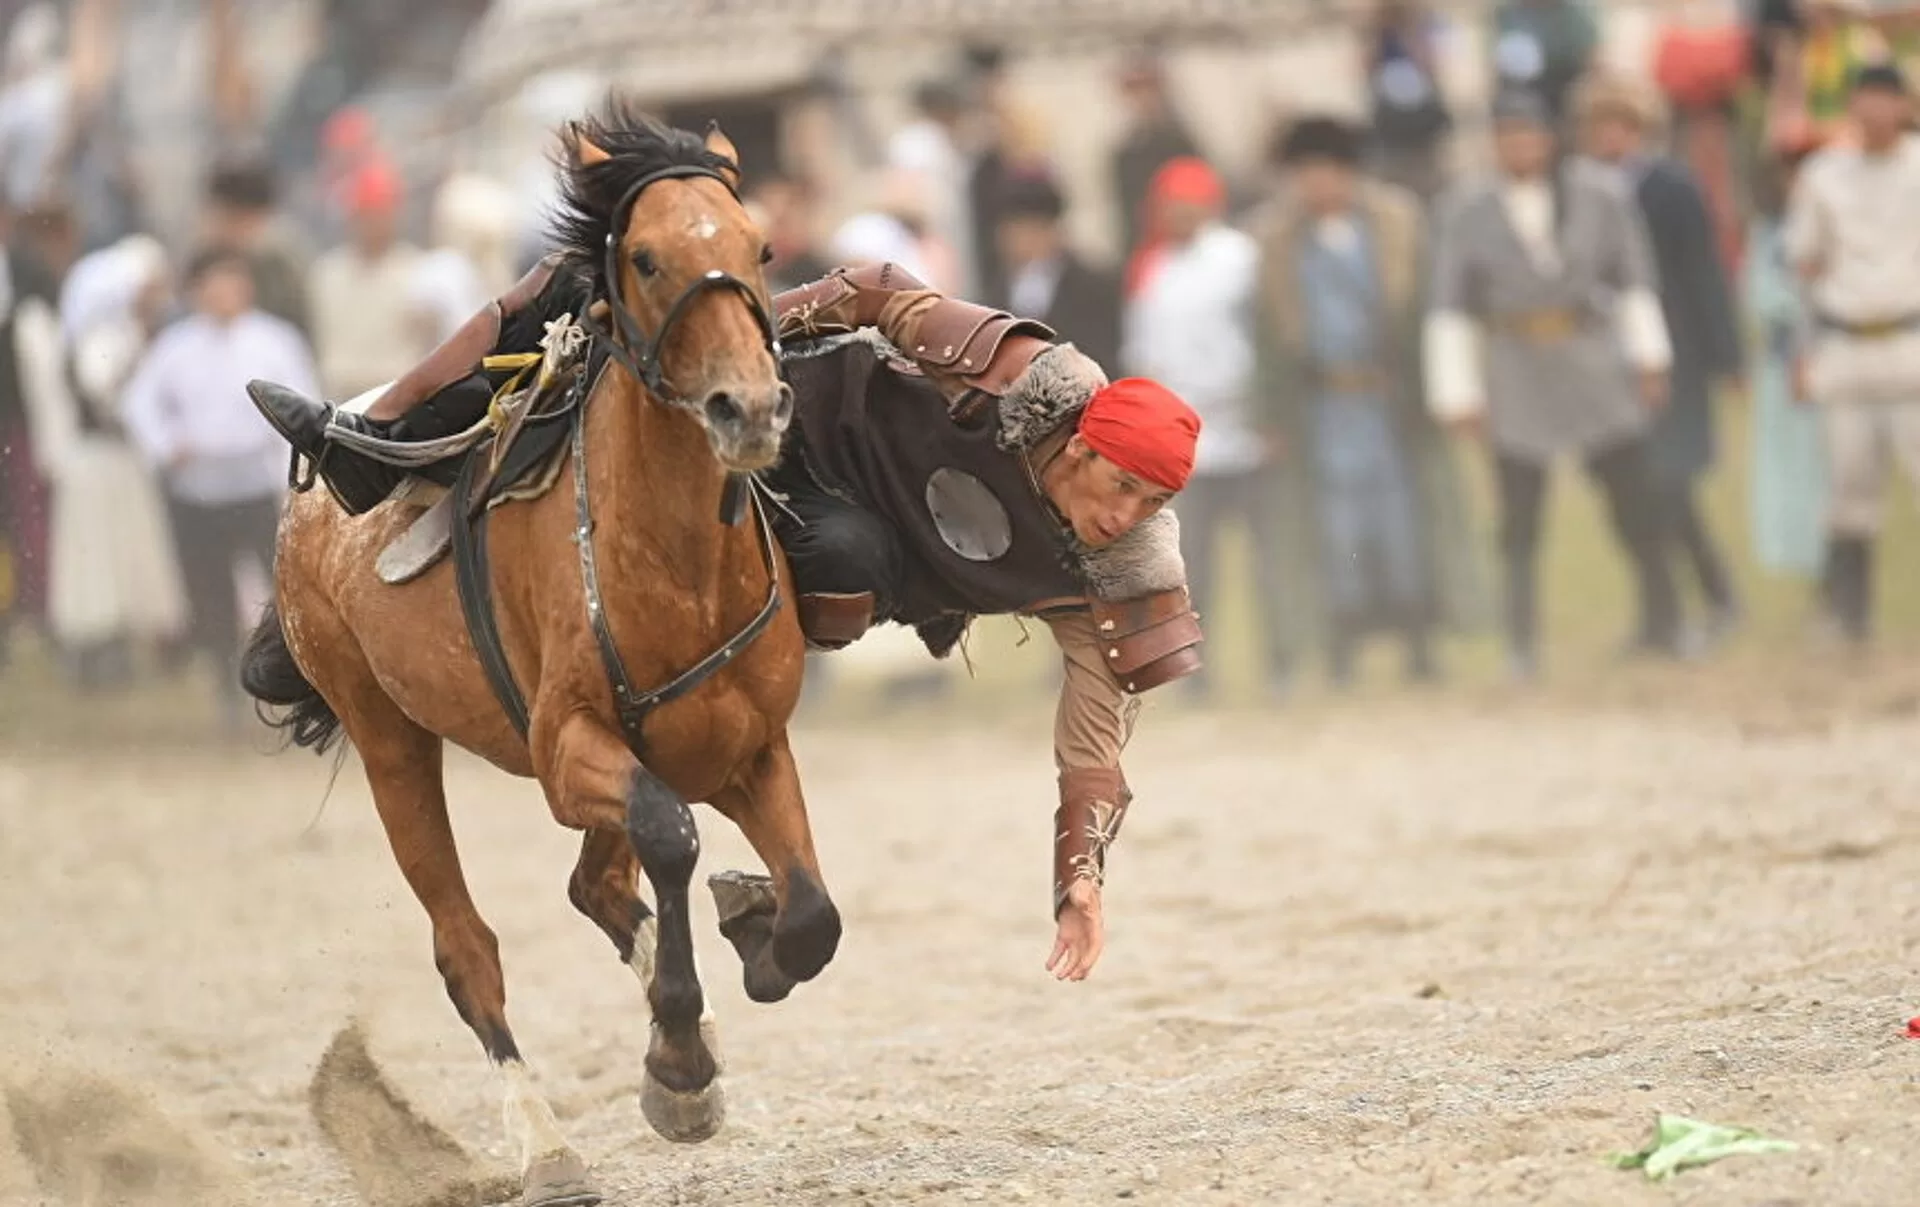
(519, 458)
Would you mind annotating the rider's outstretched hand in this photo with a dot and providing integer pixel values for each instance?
(1081, 936)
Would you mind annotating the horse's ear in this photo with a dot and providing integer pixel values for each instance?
(721, 145)
(585, 151)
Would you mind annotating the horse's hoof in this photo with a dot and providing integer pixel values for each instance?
(558, 1180)
(684, 1117)
(737, 894)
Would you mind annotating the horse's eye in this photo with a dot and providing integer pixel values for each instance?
(766, 254)
(643, 262)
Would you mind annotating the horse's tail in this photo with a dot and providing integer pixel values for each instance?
(269, 674)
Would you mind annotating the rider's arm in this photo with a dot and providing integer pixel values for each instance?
(1111, 653)
(1090, 728)
(962, 346)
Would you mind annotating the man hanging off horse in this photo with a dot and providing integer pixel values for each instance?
(946, 461)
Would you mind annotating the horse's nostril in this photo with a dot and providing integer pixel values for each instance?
(723, 410)
(783, 407)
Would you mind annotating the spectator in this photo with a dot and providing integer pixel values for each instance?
(1547, 268)
(925, 157)
(896, 230)
(1014, 144)
(223, 466)
(1155, 134)
(242, 215)
(1048, 279)
(472, 259)
(29, 273)
(35, 101)
(1409, 110)
(784, 208)
(360, 292)
(113, 579)
(1814, 66)
(1340, 317)
(1543, 47)
(1617, 118)
(990, 173)
(1851, 235)
(1188, 324)
(1788, 491)
(1704, 71)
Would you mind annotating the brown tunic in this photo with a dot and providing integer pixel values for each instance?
(883, 437)
(876, 432)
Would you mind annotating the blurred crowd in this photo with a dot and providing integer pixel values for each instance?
(1362, 321)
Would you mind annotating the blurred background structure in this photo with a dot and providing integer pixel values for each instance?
(382, 170)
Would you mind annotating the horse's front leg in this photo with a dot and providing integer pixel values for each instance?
(595, 784)
(785, 927)
(605, 886)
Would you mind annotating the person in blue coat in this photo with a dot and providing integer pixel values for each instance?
(1788, 490)
(1617, 119)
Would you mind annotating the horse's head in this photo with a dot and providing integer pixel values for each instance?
(654, 214)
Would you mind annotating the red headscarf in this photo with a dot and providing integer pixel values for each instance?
(1187, 179)
(1144, 428)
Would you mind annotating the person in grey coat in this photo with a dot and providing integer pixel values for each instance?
(1544, 333)
(1617, 118)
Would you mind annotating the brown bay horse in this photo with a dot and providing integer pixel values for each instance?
(690, 397)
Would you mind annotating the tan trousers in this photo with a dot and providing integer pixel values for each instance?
(1861, 438)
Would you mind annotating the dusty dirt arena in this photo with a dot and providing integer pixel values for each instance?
(1446, 952)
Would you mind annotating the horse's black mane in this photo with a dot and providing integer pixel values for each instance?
(640, 145)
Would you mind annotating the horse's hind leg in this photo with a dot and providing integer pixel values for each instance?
(403, 765)
(606, 888)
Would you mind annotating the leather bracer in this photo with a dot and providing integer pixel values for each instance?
(1093, 801)
(1150, 640)
(963, 347)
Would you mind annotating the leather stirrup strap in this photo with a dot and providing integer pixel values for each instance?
(473, 579)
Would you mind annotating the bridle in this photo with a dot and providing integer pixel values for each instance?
(641, 355)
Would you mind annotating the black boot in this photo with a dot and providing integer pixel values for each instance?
(358, 481)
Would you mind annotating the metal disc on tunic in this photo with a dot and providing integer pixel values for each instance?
(969, 519)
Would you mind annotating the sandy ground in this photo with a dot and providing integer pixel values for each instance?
(1447, 952)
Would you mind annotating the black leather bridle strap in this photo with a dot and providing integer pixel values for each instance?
(633, 348)
(632, 705)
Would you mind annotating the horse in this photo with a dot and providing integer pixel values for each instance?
(669, 593)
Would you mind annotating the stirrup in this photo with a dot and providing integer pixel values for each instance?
(301, 478)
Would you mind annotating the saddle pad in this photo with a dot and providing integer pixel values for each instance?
(422, 544)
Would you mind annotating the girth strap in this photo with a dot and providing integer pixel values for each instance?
(632, 705)
(475, 585)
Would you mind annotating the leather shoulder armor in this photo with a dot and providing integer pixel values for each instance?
(1149, 640)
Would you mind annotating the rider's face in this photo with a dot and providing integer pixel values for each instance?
(1101, 501)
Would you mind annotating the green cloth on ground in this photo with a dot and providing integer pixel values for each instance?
(1680, 1143)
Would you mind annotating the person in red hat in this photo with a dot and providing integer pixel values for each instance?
(359, 293)
(990, 471)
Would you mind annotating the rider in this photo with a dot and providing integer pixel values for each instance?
(946, 461)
